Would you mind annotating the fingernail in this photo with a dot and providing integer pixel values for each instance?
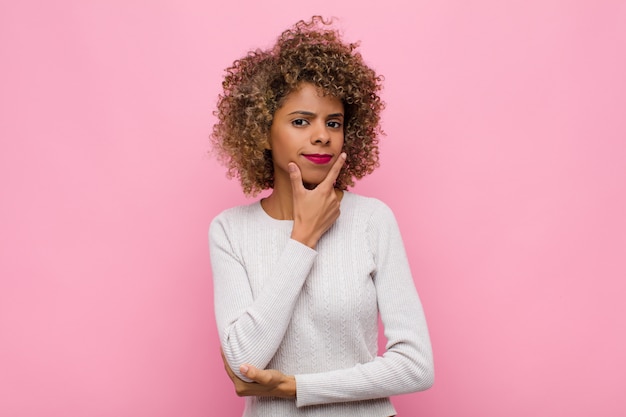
(343, 155)
(292, 168)
(243, 369)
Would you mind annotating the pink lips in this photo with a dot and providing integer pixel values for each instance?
(319, 159)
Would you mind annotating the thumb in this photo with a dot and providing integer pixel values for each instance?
(247, 370)
(295, 176)
(251, 372)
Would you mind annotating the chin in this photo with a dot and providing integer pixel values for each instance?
(311, 178)
(311, 183)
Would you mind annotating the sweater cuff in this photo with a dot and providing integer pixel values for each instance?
(300, 251)
(304, 396)
(316, 388)
(296, 260)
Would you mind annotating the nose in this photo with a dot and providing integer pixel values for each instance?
(321, 135)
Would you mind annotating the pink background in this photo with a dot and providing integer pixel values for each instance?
(504, 162)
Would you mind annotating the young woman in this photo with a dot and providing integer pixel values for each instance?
(301, 276)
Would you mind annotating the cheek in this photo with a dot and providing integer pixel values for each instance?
(281, 152)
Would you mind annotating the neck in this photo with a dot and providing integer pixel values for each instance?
(279, 204)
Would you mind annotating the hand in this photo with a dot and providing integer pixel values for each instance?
(314, 211)
(267, 383)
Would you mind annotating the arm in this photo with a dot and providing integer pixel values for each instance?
(266, 383)
(407, 364)
(251, 329)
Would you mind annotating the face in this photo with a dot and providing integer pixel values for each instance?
(307, 130)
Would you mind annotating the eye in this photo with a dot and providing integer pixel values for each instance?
(334, 124)
(299, 122)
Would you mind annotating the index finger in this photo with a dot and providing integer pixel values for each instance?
(332, 175)
(229, 371)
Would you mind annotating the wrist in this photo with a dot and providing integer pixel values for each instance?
(307, 239)
(289, 386)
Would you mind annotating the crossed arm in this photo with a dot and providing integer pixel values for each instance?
(314, 212)
(405, 367)
(265, 383)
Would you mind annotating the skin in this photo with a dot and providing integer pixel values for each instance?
(307, 123)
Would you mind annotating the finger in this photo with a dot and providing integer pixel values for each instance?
(230, 373)
(332, 175)
(248, 371)
(257, 375)
(295, 176)
(226, 366)
(229, 370)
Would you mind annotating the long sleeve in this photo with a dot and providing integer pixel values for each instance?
(251, 326)
(407, 364)
(314, 313)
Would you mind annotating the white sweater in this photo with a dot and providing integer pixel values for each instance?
(314, 313)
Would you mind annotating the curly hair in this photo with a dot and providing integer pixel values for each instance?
(256, 85)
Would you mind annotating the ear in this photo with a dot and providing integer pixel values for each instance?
(266, 143)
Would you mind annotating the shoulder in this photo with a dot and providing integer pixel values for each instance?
(370, 207)
(237, 212)
(374, 217)
(234, 218)
(378, 223)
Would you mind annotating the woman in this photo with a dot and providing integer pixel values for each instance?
(301, 276)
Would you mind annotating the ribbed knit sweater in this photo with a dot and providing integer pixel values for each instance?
(314, 313)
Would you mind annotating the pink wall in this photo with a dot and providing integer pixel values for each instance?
(504, 161)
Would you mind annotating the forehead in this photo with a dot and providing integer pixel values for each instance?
(309, 97)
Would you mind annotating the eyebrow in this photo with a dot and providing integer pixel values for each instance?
(311, 114)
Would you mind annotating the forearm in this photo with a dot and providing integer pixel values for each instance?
(407, 364)
(264, 383)
(392, 374)
(251, 329)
